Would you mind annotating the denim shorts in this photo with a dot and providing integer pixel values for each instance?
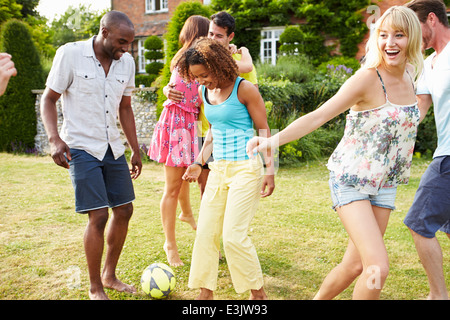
(100, 184)
(342, 194)
(430, 210)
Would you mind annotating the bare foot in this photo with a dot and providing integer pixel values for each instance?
(99, 295)
(118, 285)
(205, 294)
(172, 256)
(258, 294)
(188, 219)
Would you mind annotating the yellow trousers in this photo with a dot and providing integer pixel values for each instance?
(228, 205)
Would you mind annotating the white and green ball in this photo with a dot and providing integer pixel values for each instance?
(158, 280)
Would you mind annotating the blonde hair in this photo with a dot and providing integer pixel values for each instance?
(402, 19)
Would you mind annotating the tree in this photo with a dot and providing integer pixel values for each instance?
(9, 9)
(17, 105)
(154, 45)
(295, 40)
(28, 7)
(25, 10)
(76, 24)
(335, 18)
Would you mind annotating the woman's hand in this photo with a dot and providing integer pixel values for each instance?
(192, 173)
(257, 144)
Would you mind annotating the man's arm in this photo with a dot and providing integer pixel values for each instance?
(126, 119)
(424, 102)
(245, 65)
(59, 149)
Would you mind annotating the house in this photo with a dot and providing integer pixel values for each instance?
(150, 17)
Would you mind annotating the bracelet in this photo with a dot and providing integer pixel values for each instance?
(198, 163)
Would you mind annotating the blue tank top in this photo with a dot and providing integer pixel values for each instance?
(231, 126)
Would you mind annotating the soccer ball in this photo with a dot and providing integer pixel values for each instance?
(158, 280)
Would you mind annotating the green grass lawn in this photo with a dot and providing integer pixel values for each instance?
(298, 237)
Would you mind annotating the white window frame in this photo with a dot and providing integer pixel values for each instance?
(150, 6)
(270, 36)
(141, 56)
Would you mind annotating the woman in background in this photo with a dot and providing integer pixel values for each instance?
(174, 141)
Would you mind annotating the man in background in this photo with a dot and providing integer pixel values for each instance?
(430, 210)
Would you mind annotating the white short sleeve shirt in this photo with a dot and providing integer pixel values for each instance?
(435, 81)
(90, 99)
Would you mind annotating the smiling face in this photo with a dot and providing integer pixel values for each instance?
(117, 40)
(219, 34)
(393, 46)
(203, 76)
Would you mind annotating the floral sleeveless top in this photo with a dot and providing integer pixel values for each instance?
(377, 147)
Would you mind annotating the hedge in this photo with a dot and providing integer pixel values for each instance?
(17, 105)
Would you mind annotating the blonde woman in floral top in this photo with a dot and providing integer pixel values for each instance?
(375, 154)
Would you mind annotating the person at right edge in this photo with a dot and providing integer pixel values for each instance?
(430, 210)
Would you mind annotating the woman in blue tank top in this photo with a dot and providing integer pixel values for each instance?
(235, 183)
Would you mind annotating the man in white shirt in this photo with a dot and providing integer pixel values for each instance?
(96, 78)
(430, 211)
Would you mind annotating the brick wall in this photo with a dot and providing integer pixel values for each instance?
(383, 5)
(146, 24)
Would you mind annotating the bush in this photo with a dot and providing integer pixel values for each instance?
(295, 68)
(349, 63)
(17, 105)
(297, 39)
(286, 101)
(146, 80)
(154, 45)
(154, 67)
(426, 141)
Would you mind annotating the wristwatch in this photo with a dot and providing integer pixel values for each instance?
(198, 163)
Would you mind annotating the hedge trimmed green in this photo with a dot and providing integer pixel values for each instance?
(17, 105)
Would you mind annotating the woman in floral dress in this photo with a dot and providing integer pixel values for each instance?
(174, 141)
(375, 153)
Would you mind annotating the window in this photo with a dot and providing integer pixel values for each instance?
(270, 43)
(141, 58)
(152, 6)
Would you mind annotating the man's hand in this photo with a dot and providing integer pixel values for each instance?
(60, 153)
(136, 165)
(173, 94)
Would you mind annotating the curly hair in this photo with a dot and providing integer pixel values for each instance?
(211, 54)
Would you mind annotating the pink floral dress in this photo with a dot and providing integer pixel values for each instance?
(174, 140)
(377, 147)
